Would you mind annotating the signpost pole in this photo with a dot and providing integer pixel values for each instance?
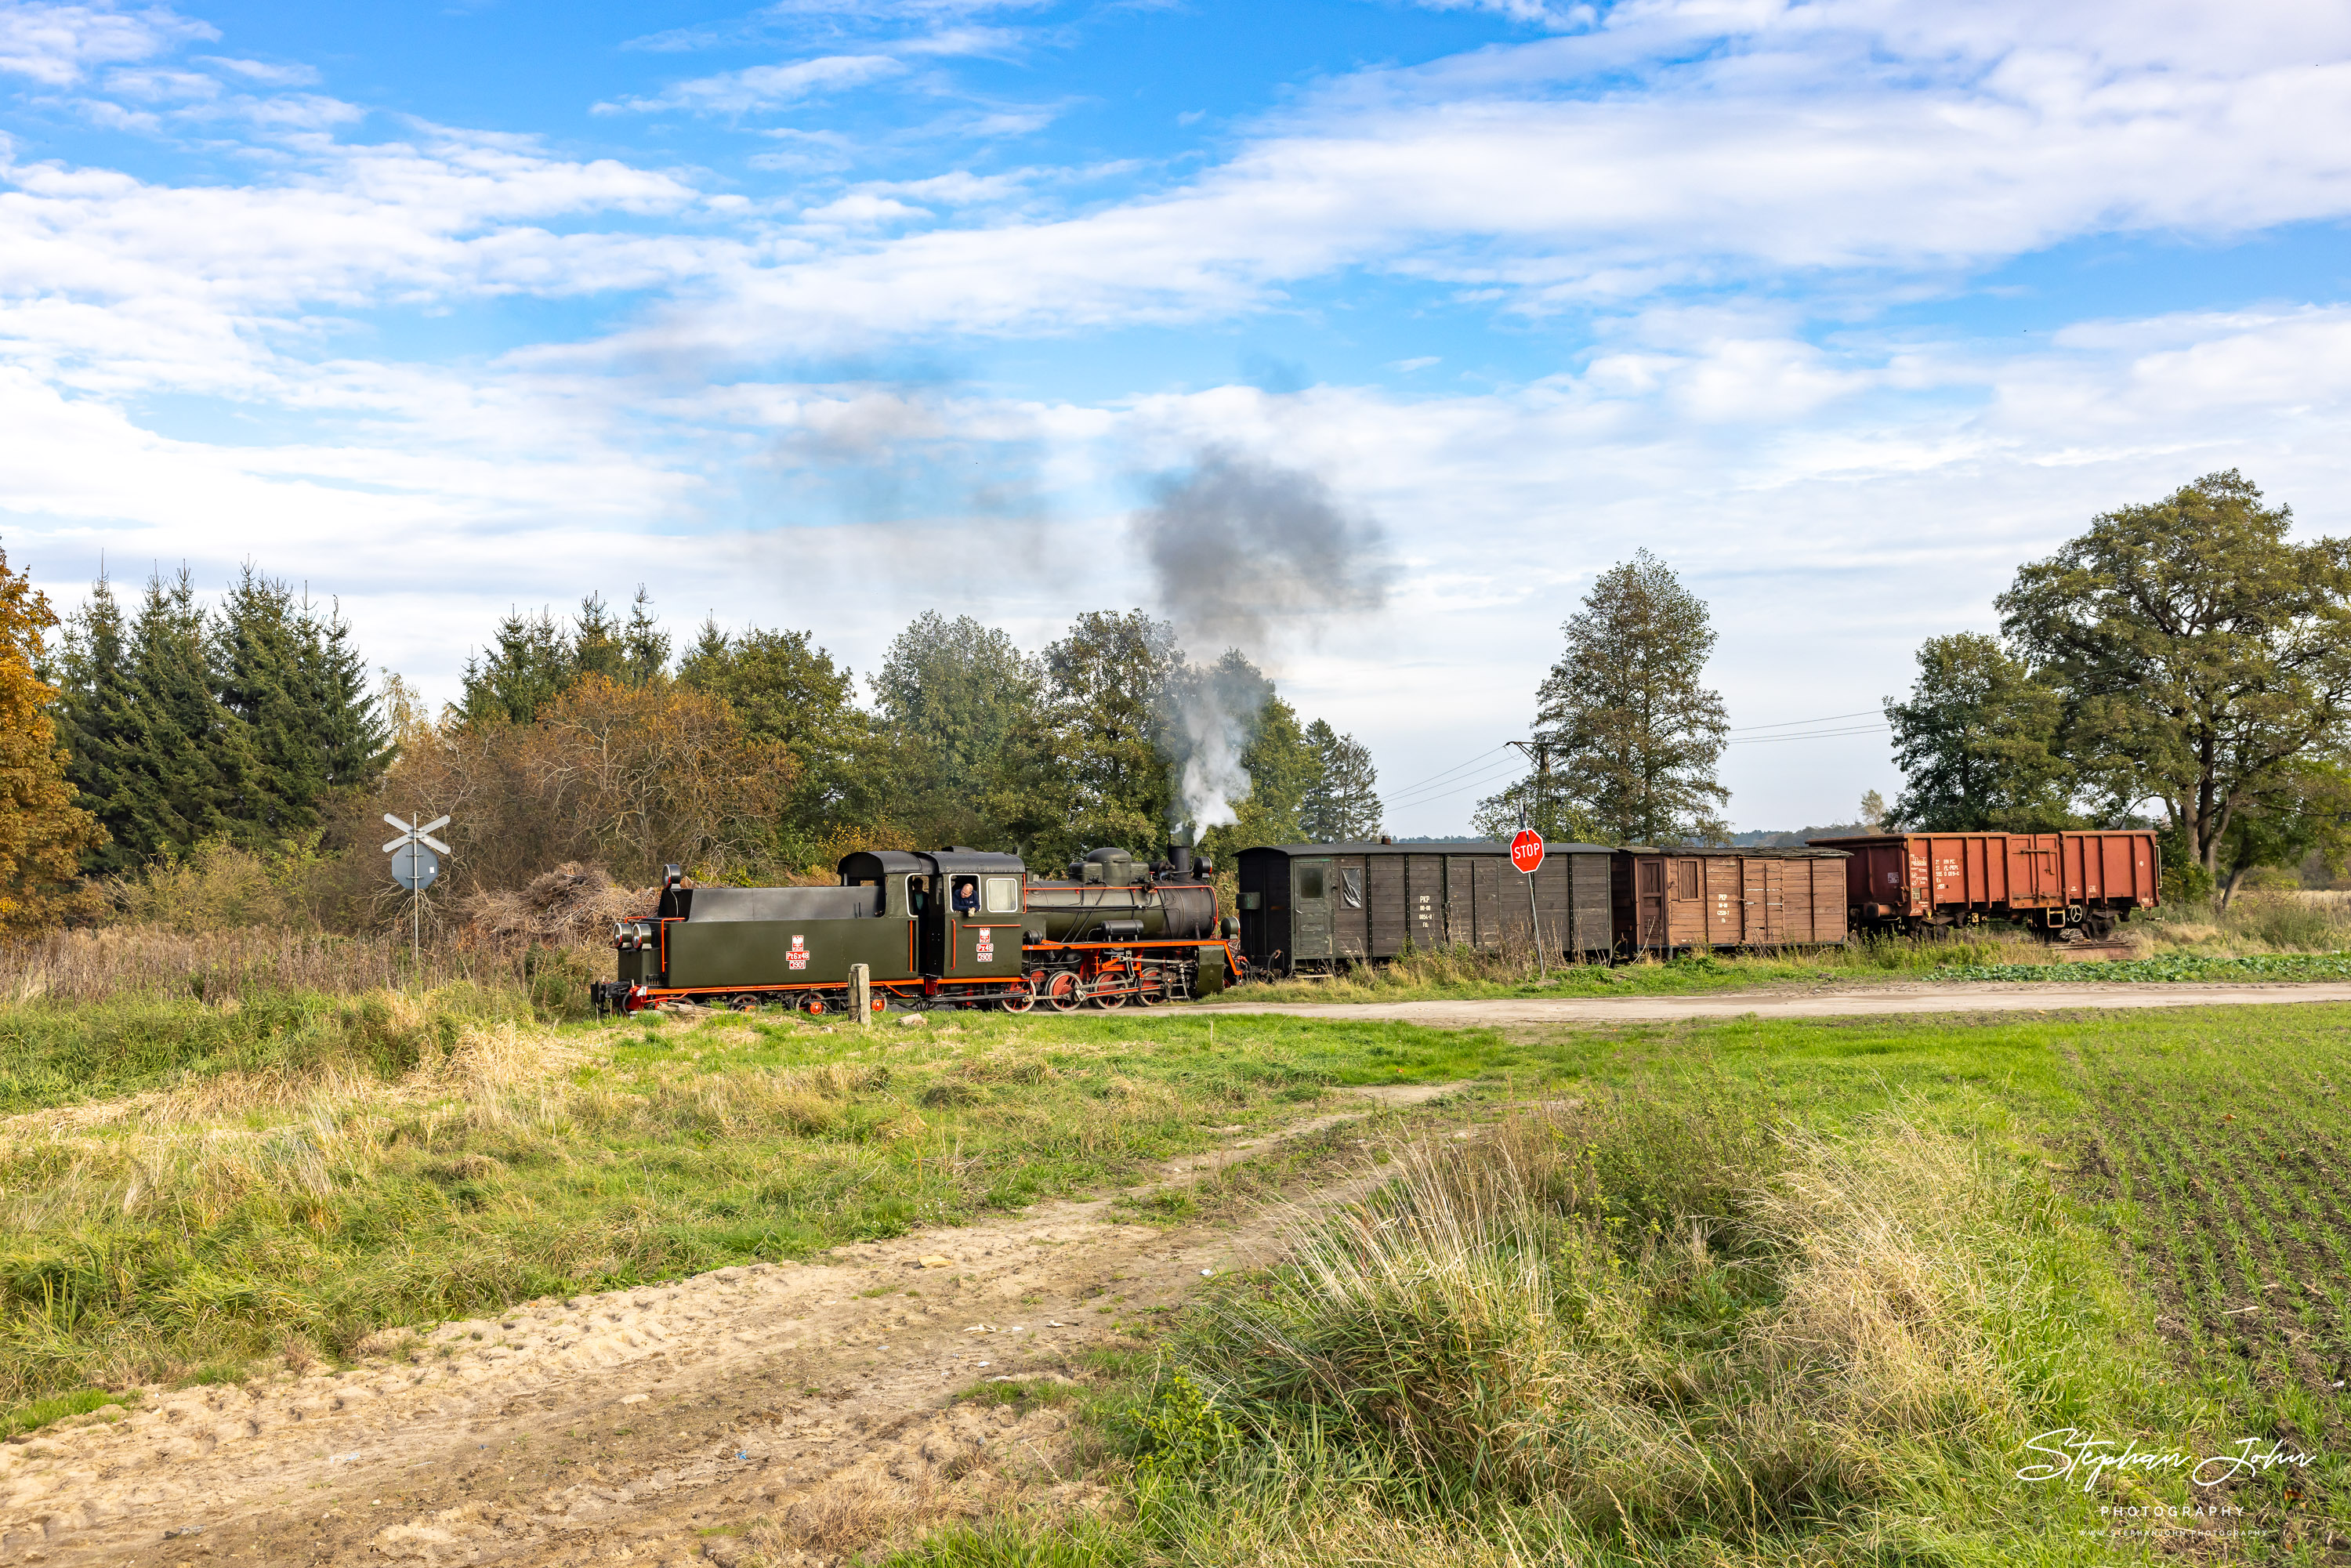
(413, 866)
(1527, 855)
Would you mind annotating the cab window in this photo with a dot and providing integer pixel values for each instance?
(1003, 896)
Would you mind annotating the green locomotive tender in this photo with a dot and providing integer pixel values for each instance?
(949, 927)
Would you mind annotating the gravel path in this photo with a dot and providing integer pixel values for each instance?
(1848, 1001)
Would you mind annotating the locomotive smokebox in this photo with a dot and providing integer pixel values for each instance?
(1179, 850)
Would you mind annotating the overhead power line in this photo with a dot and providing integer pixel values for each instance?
(1812, 734)
(1798, 723)
(1427, 793)
(1434, 778)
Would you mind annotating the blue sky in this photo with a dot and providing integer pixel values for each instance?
(821, 315)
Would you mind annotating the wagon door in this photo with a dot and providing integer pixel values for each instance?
(1649, 902)
(2035, 880)
(1726, 906)
(1425, 893)
(1765, 901)
(1350, 911)
(1310, 910)
(1388, 920)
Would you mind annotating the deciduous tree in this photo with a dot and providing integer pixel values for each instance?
(1976, 741)
(2201, 653)
(1105, 684)
(43, 833)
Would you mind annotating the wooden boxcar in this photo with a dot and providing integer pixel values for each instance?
(1315, 907)
(2069, 883)
(1673, 900)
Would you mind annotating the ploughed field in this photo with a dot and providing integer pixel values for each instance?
(2227, 1160)
(295, 1277)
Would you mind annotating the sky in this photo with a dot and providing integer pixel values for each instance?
(819, 315)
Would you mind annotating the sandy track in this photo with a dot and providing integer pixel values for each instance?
(620, 1426)
(1885, 1000)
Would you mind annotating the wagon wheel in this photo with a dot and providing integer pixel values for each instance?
(1150, 987)
(1061, 991)
(1022, 999)
(746, 1003)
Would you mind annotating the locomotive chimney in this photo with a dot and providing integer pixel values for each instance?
(1179, 848)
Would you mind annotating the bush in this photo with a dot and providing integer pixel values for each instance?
(2287, 921)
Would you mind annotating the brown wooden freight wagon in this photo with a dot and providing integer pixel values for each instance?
(2068, 884)
(1668, 900)
(1316, 906)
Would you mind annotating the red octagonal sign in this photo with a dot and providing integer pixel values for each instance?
(1527, 851)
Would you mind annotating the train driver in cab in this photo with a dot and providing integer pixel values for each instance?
(965, 897)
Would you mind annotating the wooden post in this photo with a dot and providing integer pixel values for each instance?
(860, 993)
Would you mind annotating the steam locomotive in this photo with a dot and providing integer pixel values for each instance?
(951, 927)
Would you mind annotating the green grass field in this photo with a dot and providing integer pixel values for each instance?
(1747, 1293)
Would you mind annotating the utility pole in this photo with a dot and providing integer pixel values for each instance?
(1538, 753)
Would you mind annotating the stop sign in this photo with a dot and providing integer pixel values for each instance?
(1525, 851)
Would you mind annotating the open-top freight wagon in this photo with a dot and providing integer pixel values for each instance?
(939, 927)
(2069, 886)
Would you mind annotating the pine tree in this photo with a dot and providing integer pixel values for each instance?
(644, 646)
(259, 678)
(43, 833)
(529, 666)
(1343, 806)
(596, 648)
(93, 679)
(181, 758)
(354, 734)
(1638, 735)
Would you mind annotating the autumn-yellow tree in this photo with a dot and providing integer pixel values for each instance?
(42, 832)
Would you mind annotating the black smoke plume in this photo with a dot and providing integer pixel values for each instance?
(1248, 554)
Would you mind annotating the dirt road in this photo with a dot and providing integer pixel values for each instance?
(1948, 997)
(798, 1411)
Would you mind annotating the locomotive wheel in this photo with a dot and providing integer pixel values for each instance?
(1021, 1001)
(1109, 1001)
(1150, 987)
(815, 1006)
(1061, 992)
(746, 1003)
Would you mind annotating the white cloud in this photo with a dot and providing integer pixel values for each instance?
(1839, 141)
(763, 87)
(56, 46)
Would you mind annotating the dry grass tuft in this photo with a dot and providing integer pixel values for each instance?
(1638, 1321)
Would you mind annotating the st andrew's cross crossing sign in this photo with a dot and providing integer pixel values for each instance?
(413, 864)
(1527, 851)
